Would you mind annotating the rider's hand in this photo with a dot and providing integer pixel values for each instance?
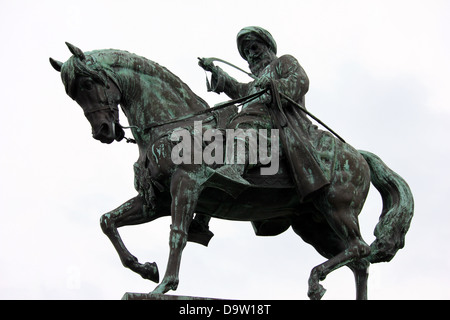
(206, 64)
(263, 82)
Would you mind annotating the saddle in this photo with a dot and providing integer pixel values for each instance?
(325, 146)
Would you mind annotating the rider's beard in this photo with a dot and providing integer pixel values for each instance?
(260, 64)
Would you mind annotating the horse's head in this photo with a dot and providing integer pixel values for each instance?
(94, 88)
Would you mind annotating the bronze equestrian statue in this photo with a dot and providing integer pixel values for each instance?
(322, 208)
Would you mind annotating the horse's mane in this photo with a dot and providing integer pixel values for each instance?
(101, 64)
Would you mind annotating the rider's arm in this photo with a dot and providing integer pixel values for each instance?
(223, 82)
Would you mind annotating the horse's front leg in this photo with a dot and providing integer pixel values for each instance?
(185, 190)
(129, 213)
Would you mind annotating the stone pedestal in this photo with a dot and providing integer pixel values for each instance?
(161, 297)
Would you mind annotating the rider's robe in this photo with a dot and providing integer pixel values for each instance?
(299, 138)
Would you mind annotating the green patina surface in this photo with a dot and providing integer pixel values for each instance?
(331, 178)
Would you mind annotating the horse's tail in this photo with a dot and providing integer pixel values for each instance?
(398, 209)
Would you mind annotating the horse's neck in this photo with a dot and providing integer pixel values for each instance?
(157, 98)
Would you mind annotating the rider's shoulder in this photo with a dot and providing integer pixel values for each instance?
(288, 63)
(288, 58)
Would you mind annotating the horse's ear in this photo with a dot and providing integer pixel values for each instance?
(76, 51)
(56, 64)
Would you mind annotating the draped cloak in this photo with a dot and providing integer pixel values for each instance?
(298, 136)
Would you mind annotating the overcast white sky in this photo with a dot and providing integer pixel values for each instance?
(379, 77)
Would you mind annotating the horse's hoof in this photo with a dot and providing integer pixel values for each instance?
(317, 293)
(150, 271)
(165, 286)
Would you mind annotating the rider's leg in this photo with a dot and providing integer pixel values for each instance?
(254, 116)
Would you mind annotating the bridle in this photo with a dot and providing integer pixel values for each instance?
(107, 103)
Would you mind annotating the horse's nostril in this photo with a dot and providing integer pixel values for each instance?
(102, 132)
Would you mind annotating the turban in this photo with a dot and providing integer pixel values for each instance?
(252, 33)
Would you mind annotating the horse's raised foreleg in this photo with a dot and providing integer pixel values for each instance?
(185, 190)
(129, 213)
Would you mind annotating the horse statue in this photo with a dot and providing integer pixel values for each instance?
(157, 103)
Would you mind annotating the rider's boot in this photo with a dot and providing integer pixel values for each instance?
(199, 230)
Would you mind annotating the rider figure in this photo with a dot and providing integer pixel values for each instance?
(259, 49)
(257, 46)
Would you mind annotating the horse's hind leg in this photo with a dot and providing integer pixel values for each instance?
(361, 272)
(315, 230)
(129, 213)
(356, 249)
(340, 207)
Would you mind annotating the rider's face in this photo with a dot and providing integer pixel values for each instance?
(258, 55)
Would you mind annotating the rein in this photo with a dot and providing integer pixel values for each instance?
(239, 101)
(289, 99)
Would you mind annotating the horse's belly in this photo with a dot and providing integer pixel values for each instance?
(251, 205)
